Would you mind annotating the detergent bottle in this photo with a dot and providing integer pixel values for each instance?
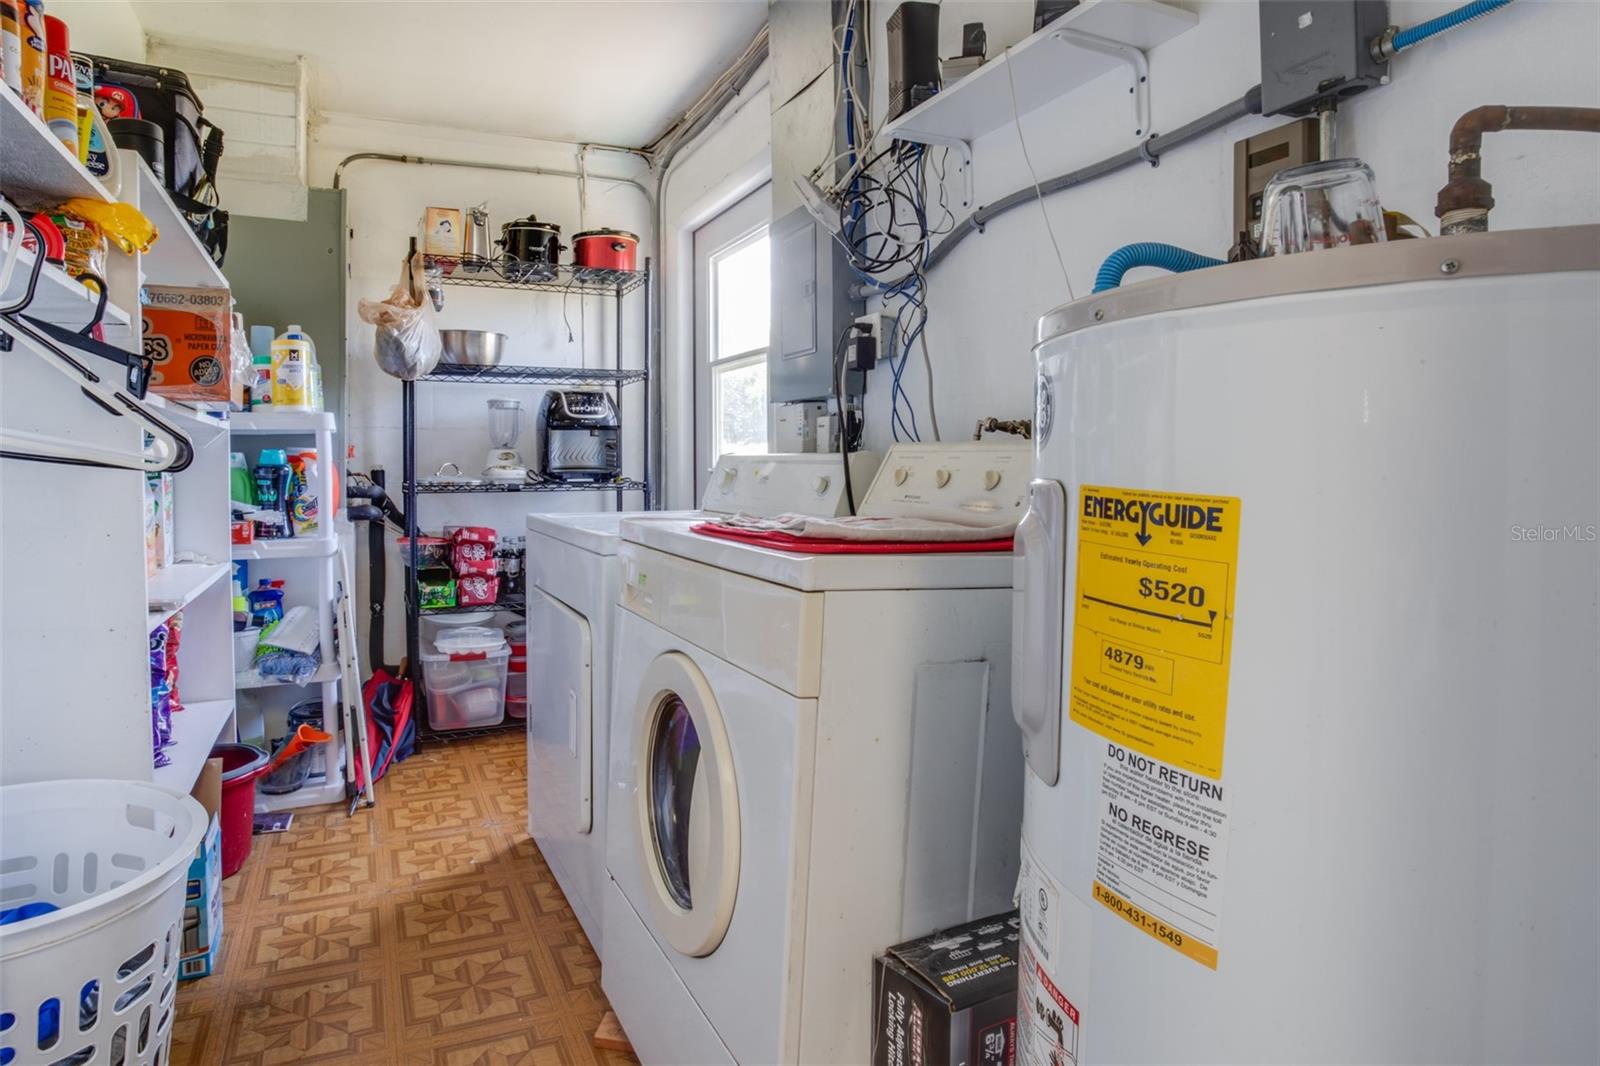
(292, 374)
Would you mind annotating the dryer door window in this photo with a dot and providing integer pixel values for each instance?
(674, 770)
(687, 814)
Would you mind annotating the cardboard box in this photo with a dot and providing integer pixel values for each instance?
(950, 998)
(441, 232)
(188, 335)
(202, 897)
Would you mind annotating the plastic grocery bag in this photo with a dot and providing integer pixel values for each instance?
(406, 342)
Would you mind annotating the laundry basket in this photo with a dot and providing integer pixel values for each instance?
(93, 981)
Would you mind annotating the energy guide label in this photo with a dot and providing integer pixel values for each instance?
(1153, 620)
(1151, 643)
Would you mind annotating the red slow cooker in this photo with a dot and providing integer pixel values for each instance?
(605, 249)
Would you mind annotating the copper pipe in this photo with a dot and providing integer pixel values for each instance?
(1464, 202)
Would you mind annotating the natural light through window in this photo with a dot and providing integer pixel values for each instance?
(741, 311)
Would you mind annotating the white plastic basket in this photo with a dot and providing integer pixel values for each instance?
(113, 856)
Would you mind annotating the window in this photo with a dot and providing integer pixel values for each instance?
(733, 316)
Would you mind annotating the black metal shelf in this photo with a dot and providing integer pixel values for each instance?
(476, 273)
(514, 601)
(620, 485)
(534, 375)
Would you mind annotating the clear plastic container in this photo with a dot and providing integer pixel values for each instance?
(517, 695)
(465, 681)
(1321, 205)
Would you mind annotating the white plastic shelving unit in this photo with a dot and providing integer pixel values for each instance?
(1094, 38)
(309, 567)
(76, 606)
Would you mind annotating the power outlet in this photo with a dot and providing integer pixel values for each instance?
(880, 330)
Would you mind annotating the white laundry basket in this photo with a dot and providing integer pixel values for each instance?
(113, 856)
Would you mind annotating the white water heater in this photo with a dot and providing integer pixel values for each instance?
(1306, 640)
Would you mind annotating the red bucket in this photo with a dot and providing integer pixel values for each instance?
(241, 765)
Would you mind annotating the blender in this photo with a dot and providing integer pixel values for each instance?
(505, 423)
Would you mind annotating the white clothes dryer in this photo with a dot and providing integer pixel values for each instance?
(812, 758)
(572, 595)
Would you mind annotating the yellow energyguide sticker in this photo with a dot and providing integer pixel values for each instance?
(1152, 621)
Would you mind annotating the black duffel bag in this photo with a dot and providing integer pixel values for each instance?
(193, 144)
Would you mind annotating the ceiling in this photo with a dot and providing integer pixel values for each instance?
(607, 72)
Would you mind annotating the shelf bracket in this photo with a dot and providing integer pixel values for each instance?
(962, 149)
(1138, 68)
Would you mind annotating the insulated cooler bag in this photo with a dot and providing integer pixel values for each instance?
(193, 144)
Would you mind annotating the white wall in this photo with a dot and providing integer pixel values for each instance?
(718, 169)
(385, 202)
(102, 27)
(987, 297)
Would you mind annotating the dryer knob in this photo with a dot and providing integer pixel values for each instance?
(900, 475)
(819, 485)
(941, 478)
(729, 476)
(991, 479)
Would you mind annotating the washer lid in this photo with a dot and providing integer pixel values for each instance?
(597, 533)
(823, 573)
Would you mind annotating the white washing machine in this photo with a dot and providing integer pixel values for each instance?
(812, 758)
(572, 595)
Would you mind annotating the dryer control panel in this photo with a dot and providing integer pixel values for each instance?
(808, 483)
(967, 481)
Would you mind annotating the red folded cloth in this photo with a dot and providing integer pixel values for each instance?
(788, 542)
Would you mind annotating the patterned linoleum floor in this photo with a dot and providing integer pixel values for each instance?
(429, 931)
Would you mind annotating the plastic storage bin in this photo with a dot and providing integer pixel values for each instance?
(465, 678)
(95, 980)
(517, 694)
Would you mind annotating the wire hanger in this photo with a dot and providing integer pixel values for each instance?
(170, 451)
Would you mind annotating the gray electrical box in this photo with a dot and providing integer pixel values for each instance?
(1317, 51)
(810, 305)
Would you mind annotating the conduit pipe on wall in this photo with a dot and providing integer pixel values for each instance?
(1149, 151)
(548, 172)
(697, 119)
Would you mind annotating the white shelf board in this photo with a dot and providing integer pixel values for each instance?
(61, 301)
(195, 415)
(194, 731)
(287, 548)
(172, 588)
(316, 791)
(1045, 66)
(177, 258)
(326, 674)
(281, 422)
(35, 167)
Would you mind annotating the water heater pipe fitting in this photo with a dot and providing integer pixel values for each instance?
(1464, 202)
(1148, 254)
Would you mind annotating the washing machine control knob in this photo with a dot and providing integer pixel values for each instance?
(819, 485)
(941, 478)
(900, 475)
(991, 479)
(729, 476)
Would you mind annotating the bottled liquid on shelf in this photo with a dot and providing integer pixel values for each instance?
(266, 603)
(303, 503)
(241, 608)
(272, 477)
(293, 375)
(11, 46)
(60, 85)
(261, 338)
(241, 485)
(30, 27)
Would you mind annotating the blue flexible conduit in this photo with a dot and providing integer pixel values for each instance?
(1148, 254)
(1448, 21)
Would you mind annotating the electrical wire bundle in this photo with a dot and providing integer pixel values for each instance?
(883, 200)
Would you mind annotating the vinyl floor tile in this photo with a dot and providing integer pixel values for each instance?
(428, 933)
